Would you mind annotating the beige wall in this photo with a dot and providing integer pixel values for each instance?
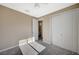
(13, 27)
(47, 29)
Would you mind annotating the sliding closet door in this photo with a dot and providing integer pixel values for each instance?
(65, 30)
(77, 18)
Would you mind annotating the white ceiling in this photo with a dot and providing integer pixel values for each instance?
(37, 9)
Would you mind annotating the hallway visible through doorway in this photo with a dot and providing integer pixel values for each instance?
(40, 37)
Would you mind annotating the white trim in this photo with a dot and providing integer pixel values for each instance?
(8, 48)
(35, 28)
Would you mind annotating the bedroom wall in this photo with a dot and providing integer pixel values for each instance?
(14, 26)
(63, 28)
(47, 29)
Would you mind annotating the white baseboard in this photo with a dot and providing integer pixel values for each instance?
(8, 48)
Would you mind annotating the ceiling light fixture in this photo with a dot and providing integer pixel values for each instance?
(37, 5)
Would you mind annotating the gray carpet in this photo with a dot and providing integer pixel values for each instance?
(55, 50)
(50, 50)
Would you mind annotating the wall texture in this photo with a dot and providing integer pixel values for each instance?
(47, 29)
(65, 29)
(13, 27)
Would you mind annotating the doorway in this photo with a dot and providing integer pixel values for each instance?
(40, 36)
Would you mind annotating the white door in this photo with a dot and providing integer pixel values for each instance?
(35, 28)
